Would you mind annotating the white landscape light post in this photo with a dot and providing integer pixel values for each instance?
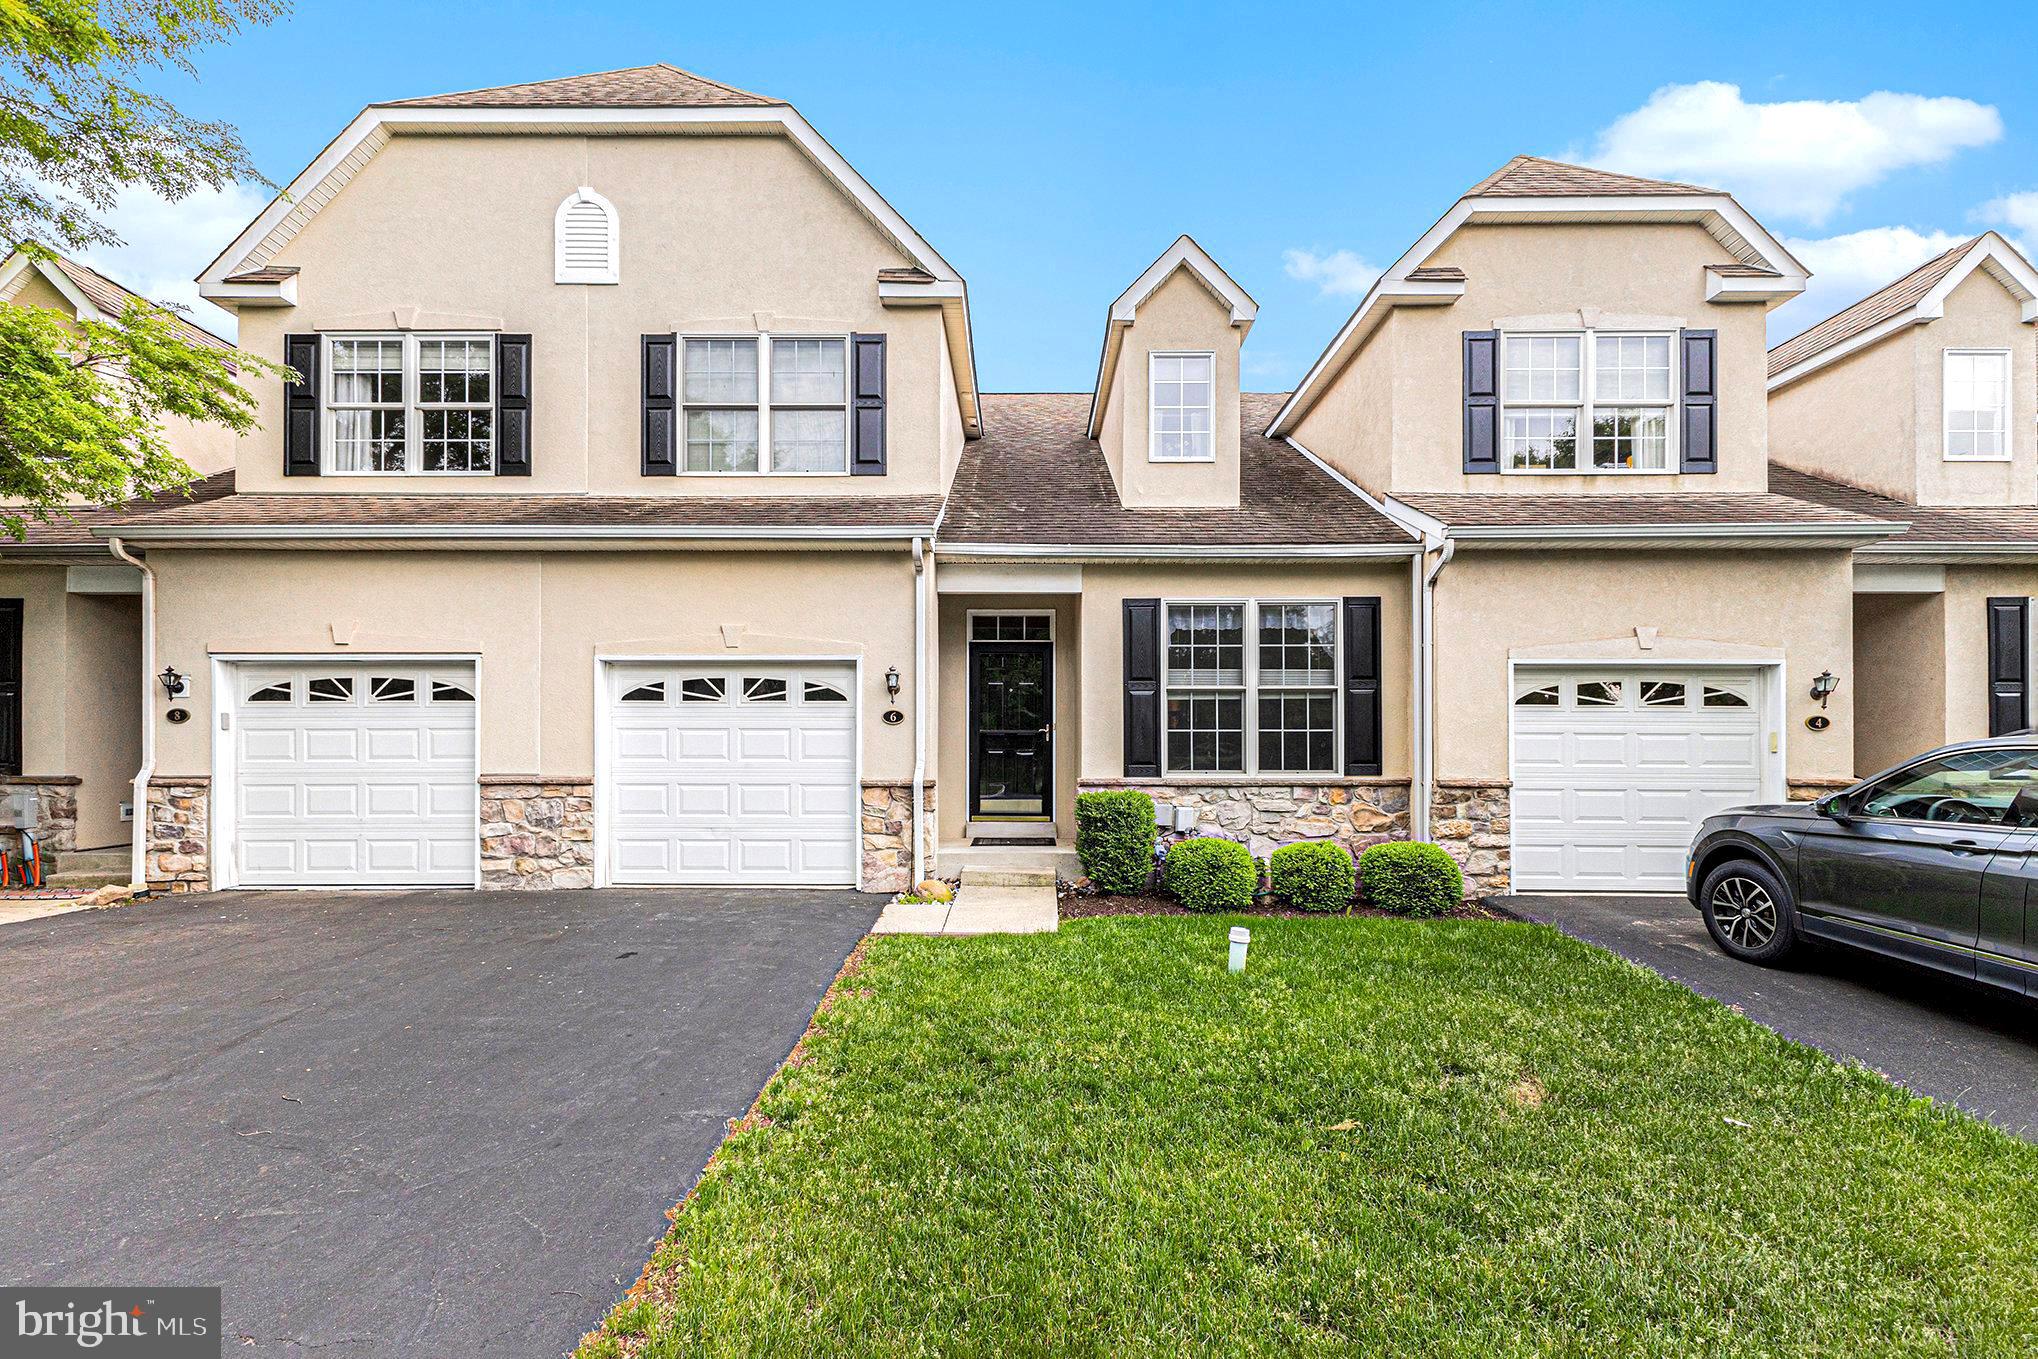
(1240, 937)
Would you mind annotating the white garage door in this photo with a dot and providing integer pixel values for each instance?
(729, 773)
(1614, 769)
(353, 773)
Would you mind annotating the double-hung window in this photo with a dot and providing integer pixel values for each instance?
(1182, 408)
(1251, 687)
(1587, 401)
(1977, 399)
(766, 404)
(408, 404)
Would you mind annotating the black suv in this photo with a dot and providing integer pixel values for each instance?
(1929, 862)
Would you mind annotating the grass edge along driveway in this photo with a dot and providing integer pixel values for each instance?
(1439, 1138)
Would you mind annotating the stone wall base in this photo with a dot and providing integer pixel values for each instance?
(56, 814)
(887, 849)
(537, 834)
(1469, 818)
(1265, 816)
(179, 848)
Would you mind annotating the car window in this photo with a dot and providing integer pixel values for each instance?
(1974, 787)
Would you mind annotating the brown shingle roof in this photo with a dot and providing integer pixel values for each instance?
(321, 511)
(112, 298)
(1035, 478)
(1611, 510)
(1438, 273)
(1535, 177)
(1870, 311)
(1743, 271)
(270, 273)
(659, 86)
(72, 529)
(2012, 526)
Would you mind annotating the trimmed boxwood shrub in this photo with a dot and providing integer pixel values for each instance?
(1316, 875)
(1208, 874)
(1114, 839)
(1411, 878)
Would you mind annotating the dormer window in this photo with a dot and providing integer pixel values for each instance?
(1977, 396)
(584, 239)
(1622, 399)
(1183, 408)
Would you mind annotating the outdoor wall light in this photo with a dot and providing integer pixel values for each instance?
(892, 682)
(173, 683)
(1823, 686)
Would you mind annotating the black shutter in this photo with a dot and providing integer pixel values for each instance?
(867, 405)
(1699, 413)
(1142, 688)
(1362, 685)
(1482, 400)
(2009, 664)
(513, 405)
(10, 686)
(661, 418)
(300, 407)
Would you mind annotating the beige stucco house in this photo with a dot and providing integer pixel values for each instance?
(651, 528)
(71, 614)
(1916, 404)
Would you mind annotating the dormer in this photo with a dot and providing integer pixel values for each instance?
(1923, 389)
(1165, 408)
(1559, 330)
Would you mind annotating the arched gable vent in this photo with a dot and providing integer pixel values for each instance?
(584, 237)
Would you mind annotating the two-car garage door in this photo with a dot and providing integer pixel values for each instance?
(1615, 768)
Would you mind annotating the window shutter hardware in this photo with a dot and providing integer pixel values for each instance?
(513, 405)
(867, 405)
(301, 407)
(1482, 401)
(661, 417)
(1698, 411)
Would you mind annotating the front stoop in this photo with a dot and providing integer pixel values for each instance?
(992, 901)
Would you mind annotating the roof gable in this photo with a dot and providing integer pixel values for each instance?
(92, 295)
(1917, 297)
(660, 85)
(1184, 256)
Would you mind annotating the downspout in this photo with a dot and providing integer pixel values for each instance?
(920, 691)
(139, 867)
(1425, 700)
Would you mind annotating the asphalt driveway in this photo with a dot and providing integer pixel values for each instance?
(389, 1124)
(1957, 1043)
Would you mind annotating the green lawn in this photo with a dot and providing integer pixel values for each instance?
(1387, 1137)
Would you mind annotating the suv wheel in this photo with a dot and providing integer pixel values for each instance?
(1748, 911)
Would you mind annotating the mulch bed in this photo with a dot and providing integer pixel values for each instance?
(1089, 906)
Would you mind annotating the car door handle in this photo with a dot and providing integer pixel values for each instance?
(1965, 846)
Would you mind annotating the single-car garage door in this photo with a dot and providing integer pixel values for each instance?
(352, 773)
(732, 773)
(1614, 769)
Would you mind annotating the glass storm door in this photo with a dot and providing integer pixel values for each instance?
(1011, 729)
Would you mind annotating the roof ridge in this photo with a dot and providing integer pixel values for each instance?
(706, 80)
(1497, 182)
(581, 76)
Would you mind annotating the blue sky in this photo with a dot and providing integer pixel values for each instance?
(1050, 152)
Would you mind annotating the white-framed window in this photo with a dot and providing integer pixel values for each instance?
(584, 239)
(408, 404)
(1181, 407)
(766, 404)
(1588, 401)
(1977, 402)
(1251, 687)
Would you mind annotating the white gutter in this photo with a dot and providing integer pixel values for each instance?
(921, 578)
(344, 532)
(1663, 533)
(138, 868)
(1425, 701)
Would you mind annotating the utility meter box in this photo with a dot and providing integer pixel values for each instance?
(19, 811)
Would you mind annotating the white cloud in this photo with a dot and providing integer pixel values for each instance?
(166, 244)
(1847, 268)
(1799, 158)
(2017, 211)
(1338, 274)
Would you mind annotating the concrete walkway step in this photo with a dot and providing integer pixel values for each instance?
(1028, 908)
(1007, 877)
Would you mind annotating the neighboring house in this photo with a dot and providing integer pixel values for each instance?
(1917, 404)
(70, 614)
(1560, 388)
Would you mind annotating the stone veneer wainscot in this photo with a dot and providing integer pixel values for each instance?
(537, 833)
(178, 852)
(56, 816)
(887, 850)
(1355, 812)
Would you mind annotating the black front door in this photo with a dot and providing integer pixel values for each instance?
(1011, 700)
(10, 686)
